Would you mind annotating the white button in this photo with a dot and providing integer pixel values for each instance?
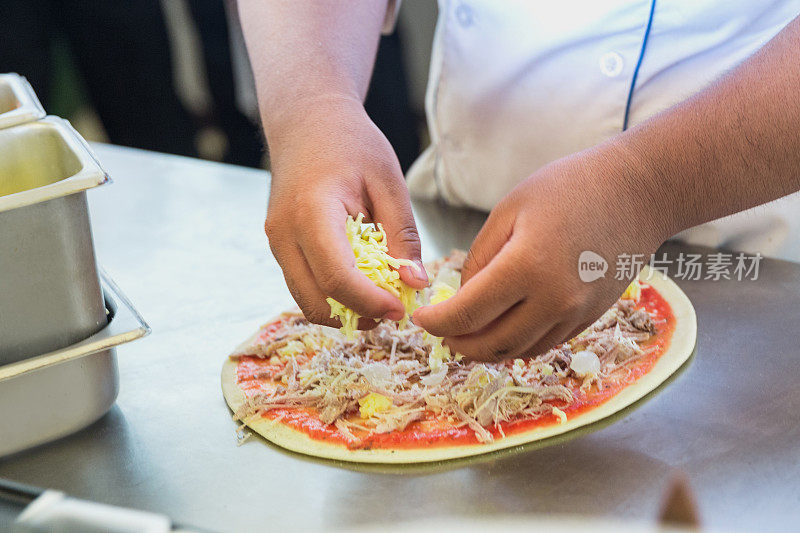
(611, 64)
(464, 15)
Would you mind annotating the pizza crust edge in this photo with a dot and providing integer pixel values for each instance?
(680, 349)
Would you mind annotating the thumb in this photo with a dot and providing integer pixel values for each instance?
(392, 208)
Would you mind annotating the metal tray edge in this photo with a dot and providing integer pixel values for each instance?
(90, 175)
(29, 109)
(126, 325)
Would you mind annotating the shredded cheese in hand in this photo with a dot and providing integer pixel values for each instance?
(347, 316)
(445, 286)
(371, 252)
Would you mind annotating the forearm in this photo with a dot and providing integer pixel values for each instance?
(732, 146)
(308, 52)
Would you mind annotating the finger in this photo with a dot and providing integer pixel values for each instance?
(552, 338)
(307, 294)
(494, 234)
(391, 207)
(332, 263)
(301, 284)
(414, 277)
(577, 330)
(505, 338)
(489, 294)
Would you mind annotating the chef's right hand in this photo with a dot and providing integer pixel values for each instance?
(329, 160)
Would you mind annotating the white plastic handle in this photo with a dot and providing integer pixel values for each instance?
(55, 511)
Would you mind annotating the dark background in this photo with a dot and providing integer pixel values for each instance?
(117, 69)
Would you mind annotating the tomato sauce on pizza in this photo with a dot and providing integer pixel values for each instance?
(291, 372)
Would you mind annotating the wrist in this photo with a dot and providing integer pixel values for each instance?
(606, 184)
(309, 130)
(290, 117)
(645, 188)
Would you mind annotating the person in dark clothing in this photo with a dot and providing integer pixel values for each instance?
(245, 144)
(122, 52)
(387, 102)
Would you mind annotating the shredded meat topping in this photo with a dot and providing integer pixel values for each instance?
(323, 370)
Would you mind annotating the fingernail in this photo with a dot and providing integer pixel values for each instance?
(393, 315)
(420, 273)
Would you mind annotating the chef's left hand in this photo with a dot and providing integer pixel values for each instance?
(521, 293)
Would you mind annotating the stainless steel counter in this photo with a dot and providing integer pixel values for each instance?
(183, 239)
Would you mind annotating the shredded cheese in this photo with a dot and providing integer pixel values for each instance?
(445, 286)
(441, 291)
(633, 292)
(562, 416)
(383, 380)
(292, 349)
(347, 317)
(373, 403)
(371, 252)
(439, 352)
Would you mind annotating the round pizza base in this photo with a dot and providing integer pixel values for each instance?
(680, 349)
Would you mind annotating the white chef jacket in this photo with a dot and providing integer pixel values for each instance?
(516, 84)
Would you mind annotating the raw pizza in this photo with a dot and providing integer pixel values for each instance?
(387, 395)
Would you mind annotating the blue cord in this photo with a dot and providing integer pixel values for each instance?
(638, 64)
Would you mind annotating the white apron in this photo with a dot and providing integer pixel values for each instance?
(517, 84)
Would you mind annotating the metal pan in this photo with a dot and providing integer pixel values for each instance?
(18, 102)
(49, 288)
(54, 394)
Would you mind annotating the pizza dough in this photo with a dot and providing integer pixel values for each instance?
(680, 349)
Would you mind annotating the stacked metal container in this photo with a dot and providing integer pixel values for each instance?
(60, 319)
